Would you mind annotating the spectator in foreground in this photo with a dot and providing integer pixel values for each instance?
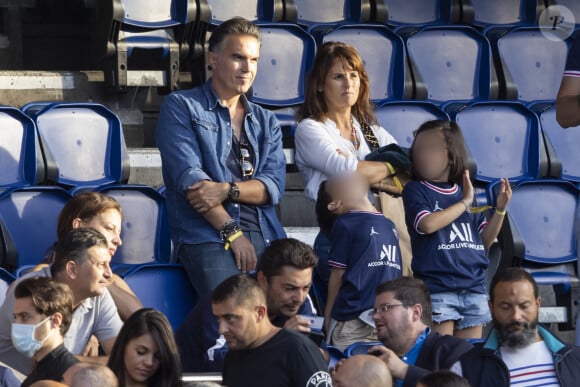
(145, 352)
(361, 371)
(223, 163)
(43, 311)
(411, 350)
(285, 274)
(81, 261)
(519, 351)
(261, 354)
(364, 253)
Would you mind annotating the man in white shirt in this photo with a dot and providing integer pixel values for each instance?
(82, 262)
(518, 351)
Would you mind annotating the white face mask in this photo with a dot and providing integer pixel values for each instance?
(23, 338)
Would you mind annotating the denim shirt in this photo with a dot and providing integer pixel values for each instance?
(194, 136)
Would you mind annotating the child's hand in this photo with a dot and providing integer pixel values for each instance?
(467, 188)
(504, 195)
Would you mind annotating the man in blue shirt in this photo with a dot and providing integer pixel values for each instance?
(402, 316)
(223, 164)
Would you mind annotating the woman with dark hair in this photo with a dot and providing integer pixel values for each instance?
(145, 353)
(337, 130)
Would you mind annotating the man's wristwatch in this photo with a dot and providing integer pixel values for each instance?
(234, 192)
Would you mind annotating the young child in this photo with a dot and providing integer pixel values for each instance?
(449, 242)
(364, 253)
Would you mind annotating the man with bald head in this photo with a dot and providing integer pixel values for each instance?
(362, 371)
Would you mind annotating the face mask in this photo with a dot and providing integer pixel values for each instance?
(23, 338)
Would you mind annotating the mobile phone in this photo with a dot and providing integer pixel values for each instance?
(316, 322)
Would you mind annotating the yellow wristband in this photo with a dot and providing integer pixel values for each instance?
(396, 180)
(390, 168)
(232, 238)
(500, 212)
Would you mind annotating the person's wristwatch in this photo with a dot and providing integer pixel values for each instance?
(234, 192)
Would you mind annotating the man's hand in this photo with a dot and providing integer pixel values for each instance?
(244, 254)
(92, 347)
(299, 324)
(205, 195)
(396, 366)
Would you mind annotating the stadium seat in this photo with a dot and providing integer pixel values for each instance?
(145, 231)
(28, 218)
(83, 144)
(403, 13)
(505, 13)
(360, 348)
(20, 154)
(310, 12)
(538, 236)
(402, 118)
(5, 280)
(562, 145)
(334, 354)
(164, 287)
(451, 63)
(503, 139)
(253, 10)
(144, 40)
(384, 57)
(281, 70)
(531, 64)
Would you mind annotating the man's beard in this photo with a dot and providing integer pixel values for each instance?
(516, 339)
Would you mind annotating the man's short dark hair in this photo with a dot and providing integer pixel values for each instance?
(245, 291)
(73, 247)
(286, 252)
(48, 297)
(512, 274)
(409, 291)
(233, 26)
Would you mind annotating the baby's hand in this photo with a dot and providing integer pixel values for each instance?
(504, 195)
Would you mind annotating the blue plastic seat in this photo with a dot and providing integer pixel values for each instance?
(360, 348)
(402, 118)
(145, 40)
(503, 138)
(5, 280)
(83, 144)
(29, 219)
(541, 219)
(253, 10)
(562, 147)
(403, 13)
(532, 64)
(334, 354)
(310, 12)
(20, 154)
(145, 230)
(286, 55)
(164, 287)
(538, 235)
(451, 63)
(505, 13)
(384, 57)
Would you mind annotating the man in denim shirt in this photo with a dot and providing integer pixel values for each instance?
(223, 164)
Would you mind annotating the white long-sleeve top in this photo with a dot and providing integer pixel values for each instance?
(317, 156)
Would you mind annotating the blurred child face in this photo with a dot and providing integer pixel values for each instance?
(430, 156)
(347, 192)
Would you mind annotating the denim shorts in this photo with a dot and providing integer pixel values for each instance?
(466, 308)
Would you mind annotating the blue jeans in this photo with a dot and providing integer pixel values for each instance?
(466, 308)
(208, 264)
